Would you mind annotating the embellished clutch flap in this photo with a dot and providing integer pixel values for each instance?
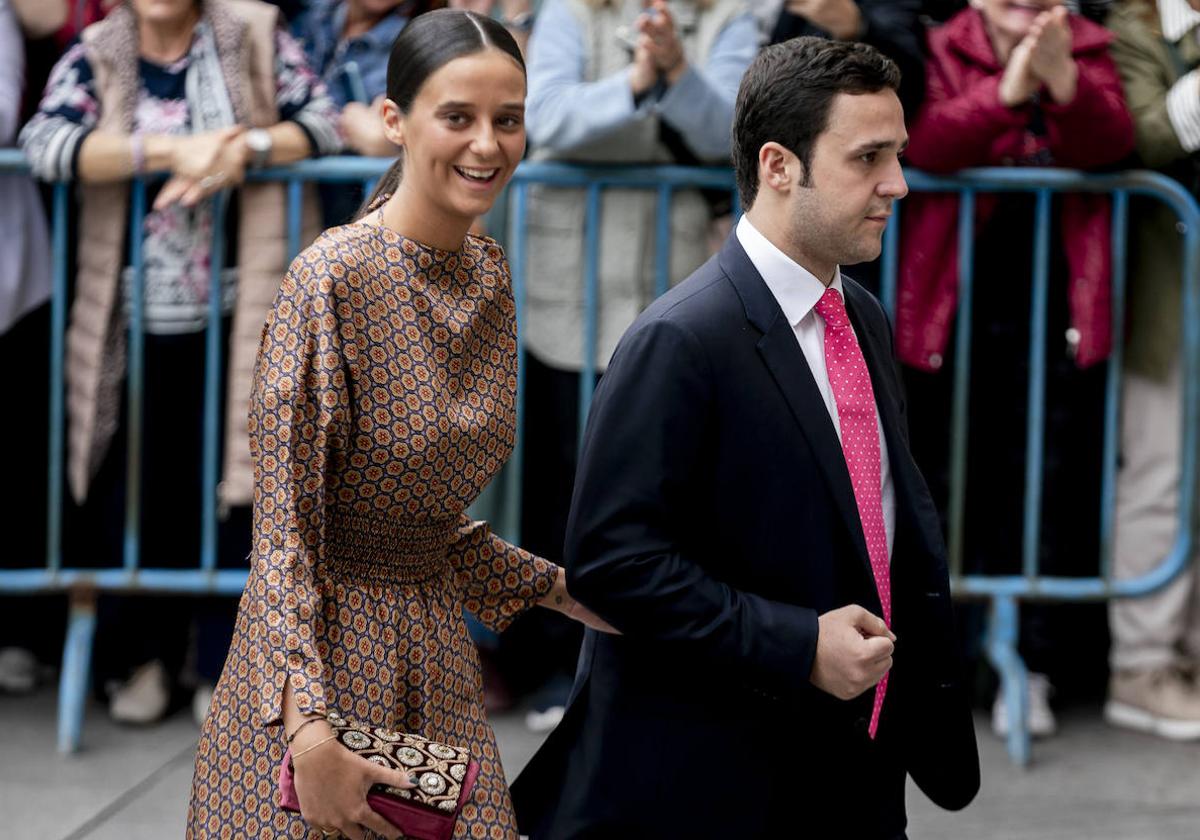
(444, 775)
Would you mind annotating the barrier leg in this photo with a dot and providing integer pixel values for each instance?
(1002, 652)
(76, 667)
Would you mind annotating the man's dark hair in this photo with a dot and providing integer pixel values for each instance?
(787, 93)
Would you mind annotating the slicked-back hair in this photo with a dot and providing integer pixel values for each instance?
(425, 45)
(787, 94)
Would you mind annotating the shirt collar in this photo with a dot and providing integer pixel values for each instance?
(795, 288)
(1178, 18)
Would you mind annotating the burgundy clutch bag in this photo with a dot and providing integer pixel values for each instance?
(444, 774)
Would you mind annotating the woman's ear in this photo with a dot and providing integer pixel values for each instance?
(393, 122)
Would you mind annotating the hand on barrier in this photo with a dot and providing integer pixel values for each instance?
(202, 164)
(854, 651)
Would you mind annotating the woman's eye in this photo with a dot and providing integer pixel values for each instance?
(509, 122)
(457, 118)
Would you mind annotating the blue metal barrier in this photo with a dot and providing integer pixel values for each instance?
(1005, 592)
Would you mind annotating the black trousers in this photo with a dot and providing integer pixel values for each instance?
(137, 628)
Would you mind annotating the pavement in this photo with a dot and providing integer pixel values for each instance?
(1091, 782)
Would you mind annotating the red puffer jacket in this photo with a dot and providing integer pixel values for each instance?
(962, 123)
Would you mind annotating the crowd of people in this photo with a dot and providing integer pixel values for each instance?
(202, 91)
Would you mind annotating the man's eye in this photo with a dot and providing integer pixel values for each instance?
(509, 122)
(869, 157)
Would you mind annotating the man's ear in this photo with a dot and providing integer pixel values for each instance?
(393, 122)
(778, 168)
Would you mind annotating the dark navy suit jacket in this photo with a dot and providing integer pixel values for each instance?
(713, 520)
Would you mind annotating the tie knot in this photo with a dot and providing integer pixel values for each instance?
(832, 310)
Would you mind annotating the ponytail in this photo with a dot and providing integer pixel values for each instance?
(385, 186)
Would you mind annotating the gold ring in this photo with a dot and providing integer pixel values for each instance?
(210, 181)
(325, 833)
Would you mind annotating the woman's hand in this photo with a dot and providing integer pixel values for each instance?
(1018, 84)
(362, 129)
(332, 785)
(202, 164)
(1050, 54)
(560, 600)
(661, 41)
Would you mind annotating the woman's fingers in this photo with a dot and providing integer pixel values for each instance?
(369, 819)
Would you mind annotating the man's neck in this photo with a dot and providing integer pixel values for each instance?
(764, 221)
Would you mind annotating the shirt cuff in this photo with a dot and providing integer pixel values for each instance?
(1183, 110)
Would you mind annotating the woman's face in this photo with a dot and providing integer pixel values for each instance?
(1011, 19)
(163, 11)
(464, 133)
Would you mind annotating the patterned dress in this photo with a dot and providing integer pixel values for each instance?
(384, 401)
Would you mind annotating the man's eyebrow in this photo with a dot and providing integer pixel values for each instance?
(877, 146)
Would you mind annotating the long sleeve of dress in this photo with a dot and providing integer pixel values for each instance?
(498, 580)
(299, 420)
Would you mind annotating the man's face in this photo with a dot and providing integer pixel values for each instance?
(838, 217)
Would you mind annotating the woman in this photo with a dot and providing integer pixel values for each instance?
(201, 90)
(384, 400)
(1012, 84)
(1155, 654)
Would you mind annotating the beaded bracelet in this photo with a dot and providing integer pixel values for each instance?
(296, 731)
(314, 746)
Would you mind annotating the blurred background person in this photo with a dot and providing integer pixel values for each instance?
(610, 81)
(201, 91)
(1011, 84)
(24, 343)
(347, 43)
(1155, 656)
(891, 26)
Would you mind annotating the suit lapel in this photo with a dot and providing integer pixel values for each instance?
(789, 368)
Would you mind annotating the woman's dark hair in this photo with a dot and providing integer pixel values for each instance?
(787, 93)
(425, 45)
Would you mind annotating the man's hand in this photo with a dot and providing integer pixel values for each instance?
(854, 651)
(840, 18)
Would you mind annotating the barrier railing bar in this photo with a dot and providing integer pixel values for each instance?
(517, 263)
(212, 380)
(58, 330)
(591, 297)
(295, 196)
(136, 378)
(961, 399)
(889, 263)
(662, 240)
(1112, 387)
(1035, 426)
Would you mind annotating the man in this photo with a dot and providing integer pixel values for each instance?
(747, 514)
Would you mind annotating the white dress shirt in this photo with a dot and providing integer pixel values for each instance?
(797, 291)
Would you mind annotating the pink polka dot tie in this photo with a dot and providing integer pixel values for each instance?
(855, 400)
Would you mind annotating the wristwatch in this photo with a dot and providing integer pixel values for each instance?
(259, 142)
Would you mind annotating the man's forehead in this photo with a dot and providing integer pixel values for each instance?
(867, 119)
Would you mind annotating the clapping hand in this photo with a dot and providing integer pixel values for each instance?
(1043, 57)
(658, 45)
